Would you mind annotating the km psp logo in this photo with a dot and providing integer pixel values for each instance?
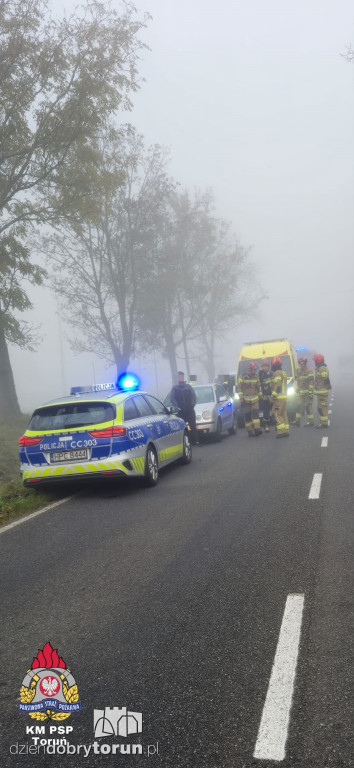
(49, 690)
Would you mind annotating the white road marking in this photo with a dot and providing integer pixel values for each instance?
(329, 421)
(273, 729)
(324, 442)
(330, 410)
(316, 486)
(24, 519)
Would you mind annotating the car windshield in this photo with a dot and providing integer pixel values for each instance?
(204, 394)
(285, 361)
(70, 415)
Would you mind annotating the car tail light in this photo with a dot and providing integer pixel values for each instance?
(26, 442)
(108, 432)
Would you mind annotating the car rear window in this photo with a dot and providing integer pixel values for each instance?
(204, 394)
(71, 415)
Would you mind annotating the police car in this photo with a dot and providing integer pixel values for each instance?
(102, 430)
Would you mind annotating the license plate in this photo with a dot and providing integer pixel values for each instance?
(69, 455)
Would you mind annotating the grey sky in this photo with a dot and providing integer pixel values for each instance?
(254, 101)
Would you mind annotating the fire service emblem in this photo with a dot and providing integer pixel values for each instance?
(49, 691)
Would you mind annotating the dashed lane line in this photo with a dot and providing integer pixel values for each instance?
(329, 410)
(25, 518)
(324, 443)
(273, 729)
(316, 486)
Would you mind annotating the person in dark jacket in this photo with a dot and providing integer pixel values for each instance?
(183, 397)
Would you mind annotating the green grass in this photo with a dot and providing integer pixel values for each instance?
(15, 499)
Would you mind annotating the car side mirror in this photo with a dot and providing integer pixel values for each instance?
(222, 399)
(173, 410)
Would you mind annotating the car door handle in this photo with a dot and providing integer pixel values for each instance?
(165, 421)
(149, 426)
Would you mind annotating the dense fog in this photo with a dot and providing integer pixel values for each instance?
(255, 101)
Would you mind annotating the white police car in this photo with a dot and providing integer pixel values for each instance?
(102, 430)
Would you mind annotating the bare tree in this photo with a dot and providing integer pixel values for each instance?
(201, 285)
(99, 268)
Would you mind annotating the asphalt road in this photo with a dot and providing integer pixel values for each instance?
(171, 602)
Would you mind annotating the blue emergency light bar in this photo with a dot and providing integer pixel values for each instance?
(128, 382)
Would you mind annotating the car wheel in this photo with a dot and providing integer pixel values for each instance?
(187, 449)
(233, 429)
(151, 467)
(218, 432)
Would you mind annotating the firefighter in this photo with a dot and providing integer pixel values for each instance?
(321, 389)
(304, 388)
(265, 378)
(249, 389)
(278, 398)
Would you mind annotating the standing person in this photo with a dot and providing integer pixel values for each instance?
(304, 388)
(279, 398)
(183, 396)
(321, 389)
(249, 389)
(265, 378)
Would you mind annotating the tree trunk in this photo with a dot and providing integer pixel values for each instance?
(122, 362)
(8, 398)
(170, 351)
(184, 340)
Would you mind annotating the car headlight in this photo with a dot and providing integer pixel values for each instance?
(291, 391)
(206, 415)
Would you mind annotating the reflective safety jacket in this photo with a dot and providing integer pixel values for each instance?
(266, 380)
(280, 384)
(304, 380)
(322, 382)
(249, 388)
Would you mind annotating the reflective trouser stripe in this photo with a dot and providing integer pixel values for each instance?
(322, 408)
(251, 414)
(280, 416)
(304, 403)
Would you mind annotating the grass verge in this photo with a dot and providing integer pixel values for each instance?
(15, 499)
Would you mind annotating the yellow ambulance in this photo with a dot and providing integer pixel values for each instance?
(260, 350)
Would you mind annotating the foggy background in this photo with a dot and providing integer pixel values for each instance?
(254, 101)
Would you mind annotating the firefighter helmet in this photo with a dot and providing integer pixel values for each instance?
(265, 362)
(252, 366)
(276, 364)
(319, 359)
(302, 359)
